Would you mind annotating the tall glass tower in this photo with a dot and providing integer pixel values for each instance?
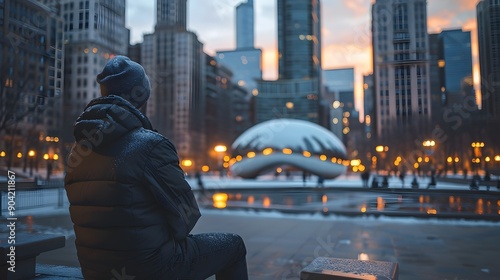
(457, 55)
(245, 61)
(299, 39)
(297, 92)
(245, 25)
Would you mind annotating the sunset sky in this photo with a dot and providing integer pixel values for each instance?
(346, 35)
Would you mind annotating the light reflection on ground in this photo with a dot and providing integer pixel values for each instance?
(360, 202)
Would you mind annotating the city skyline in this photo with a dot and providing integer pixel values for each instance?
(346, 30)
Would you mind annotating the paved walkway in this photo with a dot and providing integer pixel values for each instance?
(279, 246)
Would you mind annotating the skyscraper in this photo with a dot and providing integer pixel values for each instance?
(458, 62)
(401, 66)
(245, 25)
(451, 69)
(174, 60)
(245, 61)
(299, 39)
(341, 82)
(297, 92)
(172, 14)
(488, 30)
(94, 32)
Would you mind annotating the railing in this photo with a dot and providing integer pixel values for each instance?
(31, 195)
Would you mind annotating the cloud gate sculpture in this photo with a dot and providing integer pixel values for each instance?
(297, 143)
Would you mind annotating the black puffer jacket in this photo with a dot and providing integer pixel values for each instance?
(129, 199)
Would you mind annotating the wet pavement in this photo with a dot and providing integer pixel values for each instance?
(457, 204)
(433, 234)
(280, 245)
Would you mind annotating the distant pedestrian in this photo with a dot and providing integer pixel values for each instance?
(487, 179)
(365, 176)
(474, 186)
(49, 170)
(414, 183)
(487, 176)
(199, 182)
(385, 182)
(402, 178)
(432, 183)
(304, 177)
(321, 180)
(374, 183)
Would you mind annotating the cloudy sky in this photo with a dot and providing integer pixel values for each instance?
(345, 28)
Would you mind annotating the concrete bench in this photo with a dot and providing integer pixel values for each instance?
(26, 248)
(349, 269)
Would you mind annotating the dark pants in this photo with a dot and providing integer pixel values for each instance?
(203, 255)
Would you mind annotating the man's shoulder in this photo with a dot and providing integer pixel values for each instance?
(150, 137)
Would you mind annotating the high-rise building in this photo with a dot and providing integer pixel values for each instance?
(171, 14)
(297, 92)
(299, 39)
(227, 111)
(245, 61)
(94, 32)
(341, 82)
(437, 83)
(174, 60)
(245, 25)
(458, 63)
(339, 97)
(401, 66)
(31, 81)
(451, 69)
(293, 98)
(488, 30)
(246, 65)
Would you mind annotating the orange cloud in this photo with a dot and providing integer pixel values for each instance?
(357, 7)
(467, 5)
(436, 23)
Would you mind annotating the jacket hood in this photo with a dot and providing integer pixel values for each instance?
(107, 119)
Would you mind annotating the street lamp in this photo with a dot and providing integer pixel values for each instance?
(50, 158)
(429, 147)
(220, 150)
(31, 155)
(382, 150)
(477, 153)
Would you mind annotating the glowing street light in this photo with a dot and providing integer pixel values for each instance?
(220, 148)
(429, 143)
(31, 155)
(49, 158)
(187, 163)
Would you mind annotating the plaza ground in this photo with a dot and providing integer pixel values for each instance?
(279, 245)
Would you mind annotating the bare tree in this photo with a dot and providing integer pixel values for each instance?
(19, 97)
